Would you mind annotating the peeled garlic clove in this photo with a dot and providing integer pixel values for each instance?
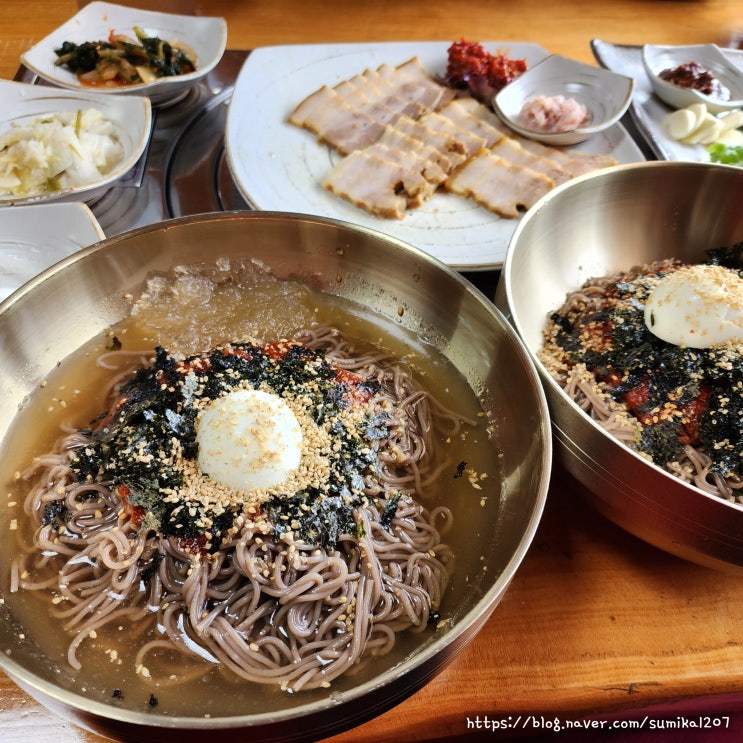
(700, 112)
(709, 127)
(680, 123)
(731, 138)
(733, 120)
(711, 134)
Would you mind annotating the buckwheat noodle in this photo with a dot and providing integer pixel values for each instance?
(594, 396)
(294, 618)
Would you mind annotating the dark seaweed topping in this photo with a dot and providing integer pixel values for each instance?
(562, 322)
(133, 448)
(127, 449)
(315, 517)
(729, 257)
(149, 572)
(322, 517)
(389, 511)
(705, 385)
(720, 425)
(55, 511)
(377, 427)
(662, 439)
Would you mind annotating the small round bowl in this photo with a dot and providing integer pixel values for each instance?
(709, 56)
(131, 117)
(83, 295)
(205, 35)
(594, 226)
(605, 94)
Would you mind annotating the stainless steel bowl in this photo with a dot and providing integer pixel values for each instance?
(594, 226)
(81, 296)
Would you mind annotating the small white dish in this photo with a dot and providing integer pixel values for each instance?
(606, 96)
(34, 237)
(656, 59)
(647, 109)
(205, 35)
(131, 117)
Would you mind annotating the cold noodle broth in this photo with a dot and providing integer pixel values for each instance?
(187, 313)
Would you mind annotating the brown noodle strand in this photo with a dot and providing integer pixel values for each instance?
(296, 617)
(594, 398)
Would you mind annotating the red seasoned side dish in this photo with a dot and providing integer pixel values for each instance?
(471, 66)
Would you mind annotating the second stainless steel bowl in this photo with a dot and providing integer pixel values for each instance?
(595, 226)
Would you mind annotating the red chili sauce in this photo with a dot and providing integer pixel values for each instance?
(471, 66)
(693, 75)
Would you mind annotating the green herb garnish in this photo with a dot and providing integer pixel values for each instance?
(725, 154)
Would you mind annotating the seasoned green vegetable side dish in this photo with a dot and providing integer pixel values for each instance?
(122, 60)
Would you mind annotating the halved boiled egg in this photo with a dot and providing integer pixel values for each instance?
(698, 306)
(249, 439)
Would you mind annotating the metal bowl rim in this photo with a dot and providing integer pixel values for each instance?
(544, 374)
(474, 617)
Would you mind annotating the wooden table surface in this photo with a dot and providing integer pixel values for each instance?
(595, 623)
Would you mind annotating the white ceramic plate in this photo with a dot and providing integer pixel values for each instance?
(278, 166)
(205, 35)
(130, 115)
(648, 111)
(34, 237)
